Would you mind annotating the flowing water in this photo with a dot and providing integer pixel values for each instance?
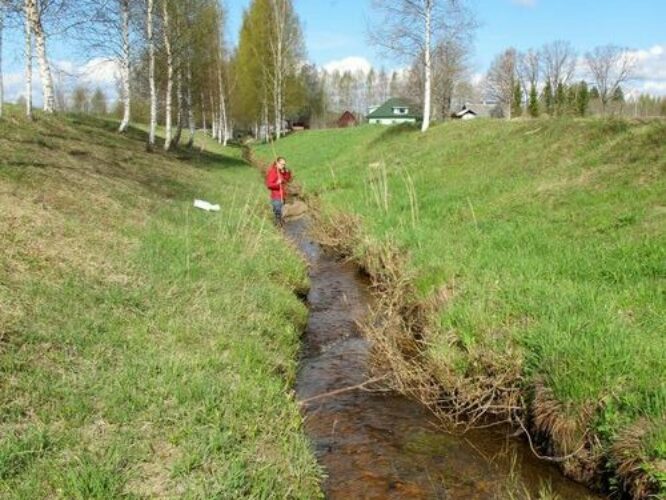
(383, 445)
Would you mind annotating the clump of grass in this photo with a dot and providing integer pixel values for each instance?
(553, 241)
(148, 349)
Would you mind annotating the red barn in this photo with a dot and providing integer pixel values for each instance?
(347, 120)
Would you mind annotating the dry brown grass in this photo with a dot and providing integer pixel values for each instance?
(401, 325)
(491, 390)
(629, 453)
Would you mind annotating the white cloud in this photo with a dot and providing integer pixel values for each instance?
(648, 76)
(525, 3)
(650, 71)
(353, 63)
(102, 73)
(651, 64)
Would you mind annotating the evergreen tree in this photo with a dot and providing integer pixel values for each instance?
(98, 102)
(594, 93)
(582, 99)
(572, 96)
(548, 99)
(270, 48)
(517, 101)
(251, 65)
(560, 99)
(533, 106)
(394, 87)
(80, 100)
(618, 95)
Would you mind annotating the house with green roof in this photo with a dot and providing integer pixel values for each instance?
(394, 111)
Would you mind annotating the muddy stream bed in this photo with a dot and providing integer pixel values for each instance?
(383, 445)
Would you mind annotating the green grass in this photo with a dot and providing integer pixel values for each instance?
(146, 349)
(551, 234)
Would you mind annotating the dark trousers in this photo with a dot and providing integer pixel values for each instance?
(277, 211)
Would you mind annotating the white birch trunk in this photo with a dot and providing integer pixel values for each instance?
(28, 68)
(277, 45)
(125, 65)
(169, 87)
(180, 102)
(151, 73)
(427, 90)
(223, 128)
(34, 15)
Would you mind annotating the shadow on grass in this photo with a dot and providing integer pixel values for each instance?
(393, 131)
(208, 160)
(83, 145)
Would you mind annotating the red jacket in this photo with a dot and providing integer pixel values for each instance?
(278, 191)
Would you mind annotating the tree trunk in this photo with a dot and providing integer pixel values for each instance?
(213, 116)
(151, 73)
(203, 114)
(180, 101)
(34, 16)
(190, 107)
(279, 20)
(125, 65)
(28, 68)
(169, 86)
(223, 128)
(427, 90)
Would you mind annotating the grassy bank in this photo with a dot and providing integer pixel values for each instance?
(146, 349)
(545, 244)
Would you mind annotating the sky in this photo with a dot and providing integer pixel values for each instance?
(335, 36)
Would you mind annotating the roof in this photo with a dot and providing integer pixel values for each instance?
(386, 109)
(347, 115)
(346, 119)
(464, 111)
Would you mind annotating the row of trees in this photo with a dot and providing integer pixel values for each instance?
(172, 59)
(174, 68)
(542, 80)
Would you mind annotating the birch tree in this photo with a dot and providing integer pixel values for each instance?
(150, 6)
(33, 13)
(125, 67)
(610, 66)
(410, 29)
(104, 31)
(559, 62)
(27, 54)
(501, 80)
(166, 32)
(528, 69)
(286, 43)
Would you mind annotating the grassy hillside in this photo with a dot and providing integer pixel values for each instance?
(547, 242)
(146, 348)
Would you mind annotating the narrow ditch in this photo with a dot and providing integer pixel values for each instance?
(383, 445)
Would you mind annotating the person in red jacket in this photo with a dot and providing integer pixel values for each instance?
(277, 179)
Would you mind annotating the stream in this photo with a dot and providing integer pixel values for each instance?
(384, 445)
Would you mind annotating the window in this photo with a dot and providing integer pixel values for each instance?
(400, 111)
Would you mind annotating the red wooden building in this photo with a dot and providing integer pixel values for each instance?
(347, 120)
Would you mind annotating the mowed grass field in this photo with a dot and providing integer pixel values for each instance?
(146, 348)
(548, 238)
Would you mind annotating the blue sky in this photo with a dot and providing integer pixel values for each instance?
(335, 31)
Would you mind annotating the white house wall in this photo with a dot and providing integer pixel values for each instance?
(391, 121)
